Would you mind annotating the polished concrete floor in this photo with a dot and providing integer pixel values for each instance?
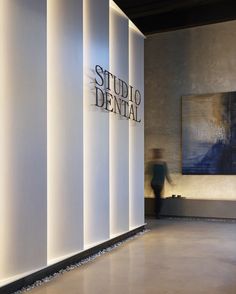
(175, 257)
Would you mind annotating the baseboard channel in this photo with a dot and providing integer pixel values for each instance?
(50, 270)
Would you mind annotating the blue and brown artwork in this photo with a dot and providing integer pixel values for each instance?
(209, 134)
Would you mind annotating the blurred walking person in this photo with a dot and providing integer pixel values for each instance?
(159, 169)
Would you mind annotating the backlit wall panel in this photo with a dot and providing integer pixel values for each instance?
(136, 132)
(65, 127)
(71, 173)
(119, 127)
(23, 136)
(96, 125)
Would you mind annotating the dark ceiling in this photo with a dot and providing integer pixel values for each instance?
(153, 16)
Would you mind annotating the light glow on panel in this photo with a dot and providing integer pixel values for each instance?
(48, 120)
(3, 143)
(96, 124)
(22, 137)
(115, 7)
(87, 204)
(65, 128)
(119, 127)
(133, 27)
(136, 132)
(63, 257)
(6, 281)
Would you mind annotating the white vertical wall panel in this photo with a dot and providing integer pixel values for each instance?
(119, 127)
(96, 124)
(65, 127)
(23, 134)
(136, 131)
(94, 166)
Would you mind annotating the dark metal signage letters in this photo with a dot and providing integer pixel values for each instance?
(115, 95)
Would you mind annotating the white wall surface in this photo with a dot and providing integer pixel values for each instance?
(136, 132)
(23, 136)
(119, 128)
(65, 127)
(71, 174)
(96, 125)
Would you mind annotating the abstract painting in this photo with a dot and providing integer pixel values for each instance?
(209, 134)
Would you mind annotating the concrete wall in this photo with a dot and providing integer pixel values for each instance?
(191, 61)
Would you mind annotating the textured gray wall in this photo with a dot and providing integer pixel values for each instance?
(191, 61)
